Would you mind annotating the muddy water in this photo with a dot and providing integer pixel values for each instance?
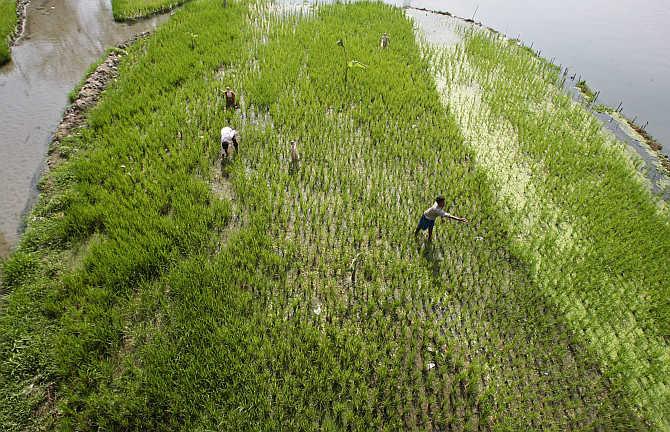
(62, 38)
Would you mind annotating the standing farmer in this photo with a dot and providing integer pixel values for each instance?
(229, 137)
(230, 98)
(295, 157)
(427, 221)
(384, 42)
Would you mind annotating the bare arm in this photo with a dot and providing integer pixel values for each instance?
(456, 218)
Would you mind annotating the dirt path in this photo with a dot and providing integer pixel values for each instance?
(223, 189)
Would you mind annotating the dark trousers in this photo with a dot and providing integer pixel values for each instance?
(225, 145)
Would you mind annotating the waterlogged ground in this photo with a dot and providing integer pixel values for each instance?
(155, 289)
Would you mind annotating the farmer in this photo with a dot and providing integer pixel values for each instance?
(427, 221)
(230, 98)
(384, 42)
(295, 157)
(229, 136)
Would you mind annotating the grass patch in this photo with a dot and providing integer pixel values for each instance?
(586, 91)
(8, 22)
(602, 108)
(127, 10)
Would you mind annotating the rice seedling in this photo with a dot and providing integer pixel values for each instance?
(125, 10)
(8, 23)
(133, 305)
(587, 92)
(559, 174)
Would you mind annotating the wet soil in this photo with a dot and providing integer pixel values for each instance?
(4, 247)
(21, 6)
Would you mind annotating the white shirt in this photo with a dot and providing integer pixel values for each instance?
(433, 212)
(227, 134)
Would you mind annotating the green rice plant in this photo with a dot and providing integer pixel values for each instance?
(8, 22)
(586, 91)
(559, 173)
(127, 10)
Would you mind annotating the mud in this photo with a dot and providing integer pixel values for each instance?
(21, 6)
(4, 247)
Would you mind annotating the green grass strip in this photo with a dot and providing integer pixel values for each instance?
(126, 10)
(8, 21)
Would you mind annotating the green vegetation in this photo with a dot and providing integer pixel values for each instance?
(72, 95)
(586, 91)
(595, 240)
(602, 108)
(7, 27)
(125, 10)
(151, 292)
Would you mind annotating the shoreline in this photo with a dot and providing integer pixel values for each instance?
(632, 130)
(74, 115)
(130, 19)
(5, 248)
(18, 30)
(73, 118)
(21, 18)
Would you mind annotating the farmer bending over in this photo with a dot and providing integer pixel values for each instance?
(230, 98)
(229, 136)
(427, 221)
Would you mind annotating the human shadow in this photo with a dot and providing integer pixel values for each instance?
(431, 255)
